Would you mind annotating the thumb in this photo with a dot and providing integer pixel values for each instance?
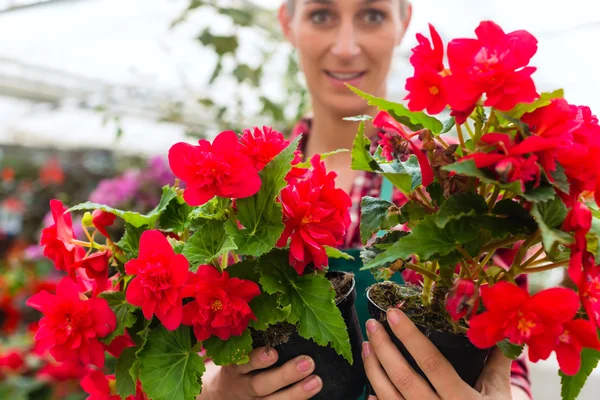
(495, 376)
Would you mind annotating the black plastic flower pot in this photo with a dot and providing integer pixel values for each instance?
(467, 360)
(340, 379)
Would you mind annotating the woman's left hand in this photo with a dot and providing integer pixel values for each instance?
(392, 377)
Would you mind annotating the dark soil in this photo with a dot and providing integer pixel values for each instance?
(280, 333)
(408, 299)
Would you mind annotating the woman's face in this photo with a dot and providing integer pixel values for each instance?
(344, 41)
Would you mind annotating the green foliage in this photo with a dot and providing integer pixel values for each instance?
(175, 217)
(413, 120)
(125, 382)
(468, 168)
(544, 100)
(268, 311)
(377, 214)
(130, 241)
(170, 368)
(215, 208)
(133, 218)
(362, 160)
(460, 205)
(122, 309)
(312, 301)
(234, 350)
(379, 245)
(261, 215)
(549, 215)
(572, 385)
(208, 244)
(332, 252)
(510, 350)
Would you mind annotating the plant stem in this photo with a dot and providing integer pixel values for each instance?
(461, 139)
(423, 198)
(464, 253)
(489, 123)
(532, 258)
(545, 267)
(493, 197)
(421, 271)
(501, 243)
(87, 244)
(426, 293)
(224, 259)
(469, 130)
(442, 142)
(236, 258)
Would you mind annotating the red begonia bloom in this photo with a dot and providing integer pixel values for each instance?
(11, 360)
(101, 220)
(96, 269)
(262, 145)
(425, 56)
(296, 173)
(220, 305)
(97, 385)
(315, 214)
(567, 340)
(159, 278)
(10, 315)
(463, 299)
(57, 239)
(217, 169)
(386, 121)
(584, 272)
(60, 372)
(71, 326)
(513, 314)
(118, 344)
(494, 64)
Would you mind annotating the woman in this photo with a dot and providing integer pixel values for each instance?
(338, 42)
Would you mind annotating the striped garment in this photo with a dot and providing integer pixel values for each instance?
(369, 184)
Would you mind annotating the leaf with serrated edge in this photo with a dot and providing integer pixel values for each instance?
(459, 206)
(207, 244)
(125, 383)
(362, 160)
(267, 310)
(234, 350)
(373, 214)
(510, 350)
(170, 368)
(312, 299)
(122, 309)
(572, 385)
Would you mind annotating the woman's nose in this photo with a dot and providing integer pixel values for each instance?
(346, 44)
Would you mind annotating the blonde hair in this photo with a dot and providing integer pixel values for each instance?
(403, 7)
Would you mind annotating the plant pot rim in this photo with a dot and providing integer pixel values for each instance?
(350, 289)
(368, 293)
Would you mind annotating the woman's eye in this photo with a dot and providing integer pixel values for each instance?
(373, 17)
(320, 17)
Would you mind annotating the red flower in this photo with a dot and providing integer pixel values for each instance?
(12, 360)
(495, 64)
(72, 326)
(217, 169)
(60, 372)
(97, 385)
(118, 344)
(567, 340)
(52, 173)
(101, 220)
(9, 315)
(160, 276)
(385, 120)
(220, 305)
(426, 90)
(262, 145)
(58, 237)
(513, 314)
(296, 173)
(463, 299)
(426, 57)
(315, 214)
(96, 269)
(584, 272)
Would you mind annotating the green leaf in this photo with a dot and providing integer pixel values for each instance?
(175, 217)
(426, 240)
(332, 252)
(207, 244)
(268, 311)
(215, 208)
(509, 218)
(307, 164)
(260, 215)
(312, 299)
(436, 193)
(544, 100)
(234, 350)
(560, 179)
(244, 72)
(122, 309)
(379, 245)
(125, 383)
(468, 168)
(460, 205)
(131, 217)
(377, 214)
(414, 211)
(130, 242)
(221, 44)
(170, 368)
(413, 120)
(572, 385)
(405, 175)
(548, 215)
(448, 125)
(510, 350)
(362, 160)
(540, 194)
(240, 17)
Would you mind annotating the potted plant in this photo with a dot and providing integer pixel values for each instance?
(236, 260)
(507, 185)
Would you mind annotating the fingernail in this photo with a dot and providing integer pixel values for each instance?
(266, 355)
(372, 397)
(312, 384)
(392, 316)
(366, 349)
(371, 326)
(304, 364)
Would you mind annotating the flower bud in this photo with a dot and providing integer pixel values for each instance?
(463, 299)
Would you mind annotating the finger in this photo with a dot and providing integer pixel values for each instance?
(495, 376)
(268, 382)
(410, 384)
(378, 379)
(300, 391)
(260, 358)
(438, 370)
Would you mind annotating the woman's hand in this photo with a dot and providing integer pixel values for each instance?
(240, 382)
(392, 377)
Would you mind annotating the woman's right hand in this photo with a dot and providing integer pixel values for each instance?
(241, 382)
